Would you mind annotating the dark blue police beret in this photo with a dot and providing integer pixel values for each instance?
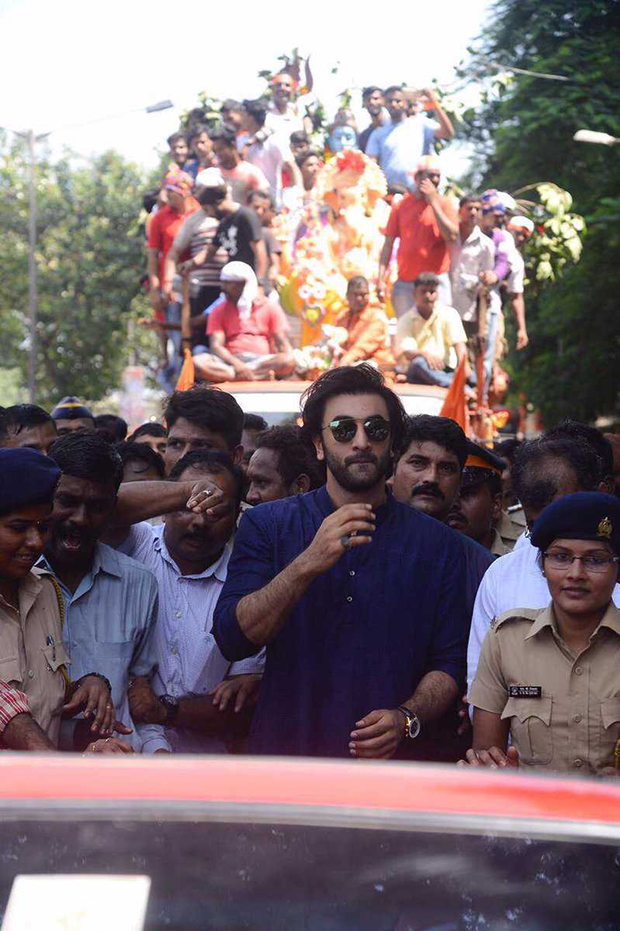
(26, 477)
(585, 515)
(71, 408)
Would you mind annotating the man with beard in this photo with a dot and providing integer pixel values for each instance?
(358, 598)
(109, 599)
(373, 102)
(195, 692)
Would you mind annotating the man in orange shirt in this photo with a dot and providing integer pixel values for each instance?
(247, 334)
(163, 227)
(367, 326)
(426, 224)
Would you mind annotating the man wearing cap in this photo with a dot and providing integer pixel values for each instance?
(426, 224)
(71, 416)
(548, 678)
(247, 334)
(542, 471)
(399, 145)
(162, 230)
(36, 689)
(477, 508)
(521, 229)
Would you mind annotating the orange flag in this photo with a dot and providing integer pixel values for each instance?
(187, 375)
(454, 405)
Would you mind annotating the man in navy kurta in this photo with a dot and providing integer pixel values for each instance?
(361, 614)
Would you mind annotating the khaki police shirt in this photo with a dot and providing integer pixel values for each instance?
(511, 526)
(31, 650)
(498, 547)
(574, 725)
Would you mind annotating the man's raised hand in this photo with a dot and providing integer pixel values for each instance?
(350, 526)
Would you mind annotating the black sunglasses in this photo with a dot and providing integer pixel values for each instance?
(344, 429)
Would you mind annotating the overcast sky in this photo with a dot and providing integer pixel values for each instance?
(70, 61)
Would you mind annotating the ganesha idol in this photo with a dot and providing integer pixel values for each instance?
(342, 238)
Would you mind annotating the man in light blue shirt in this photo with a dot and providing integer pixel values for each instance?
(189, 555)
(110, 600)
(399, 146)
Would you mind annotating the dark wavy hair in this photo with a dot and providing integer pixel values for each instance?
(350, 379)
(207, 407)
(295, 455)
(89, 456)
(425, 428)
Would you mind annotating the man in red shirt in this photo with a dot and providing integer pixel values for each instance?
(425, 223)
(163, 227)
(247, 334)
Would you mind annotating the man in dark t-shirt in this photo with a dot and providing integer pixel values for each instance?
(239, 231)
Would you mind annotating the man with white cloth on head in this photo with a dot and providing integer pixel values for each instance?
(247, 334)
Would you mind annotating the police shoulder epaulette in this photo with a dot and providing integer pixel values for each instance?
(521, 614)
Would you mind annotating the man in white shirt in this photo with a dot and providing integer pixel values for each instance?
(542, 471)
(197, 694)
(265, 149)
(471, 255)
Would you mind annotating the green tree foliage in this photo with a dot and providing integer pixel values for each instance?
(523, 135)
(90, 253)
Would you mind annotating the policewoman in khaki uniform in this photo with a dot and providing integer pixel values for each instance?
(549, 679)
(32, 657)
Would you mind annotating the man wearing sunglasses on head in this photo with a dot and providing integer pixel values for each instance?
(358, 598)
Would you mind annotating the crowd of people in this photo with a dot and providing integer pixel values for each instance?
(368, 584)
(246, 197)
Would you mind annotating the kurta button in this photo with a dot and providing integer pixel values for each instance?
(351, 572)
(31, 673)
(578, 670)
(577, 719)
(577, 764)
(349, 598)
(177, 614)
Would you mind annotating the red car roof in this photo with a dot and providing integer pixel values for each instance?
(309, 784)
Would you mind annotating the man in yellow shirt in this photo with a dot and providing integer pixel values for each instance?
(430, 341)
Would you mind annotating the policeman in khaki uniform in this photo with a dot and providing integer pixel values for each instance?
(477, 509)
(549, 679)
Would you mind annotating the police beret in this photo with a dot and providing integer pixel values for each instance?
(26, 477)
(480, 464)
(585, 515)
(70, 408)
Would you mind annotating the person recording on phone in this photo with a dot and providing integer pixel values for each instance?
(359, 599)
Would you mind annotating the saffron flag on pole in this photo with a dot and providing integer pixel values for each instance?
(454, 405)
(187, 375)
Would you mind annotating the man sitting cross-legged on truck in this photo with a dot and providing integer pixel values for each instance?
(247, 334)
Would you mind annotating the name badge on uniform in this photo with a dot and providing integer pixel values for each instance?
(525, 691)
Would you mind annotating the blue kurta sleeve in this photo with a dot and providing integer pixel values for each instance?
(251, 567)
(448, 648)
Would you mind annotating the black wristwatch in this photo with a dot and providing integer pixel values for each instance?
(171, 704)
(412, 722)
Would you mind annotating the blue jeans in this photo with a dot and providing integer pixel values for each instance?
(420, 373)
(402, 294)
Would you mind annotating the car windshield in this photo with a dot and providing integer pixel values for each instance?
(215, 871)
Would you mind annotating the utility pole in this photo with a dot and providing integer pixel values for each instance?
(31, 140)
